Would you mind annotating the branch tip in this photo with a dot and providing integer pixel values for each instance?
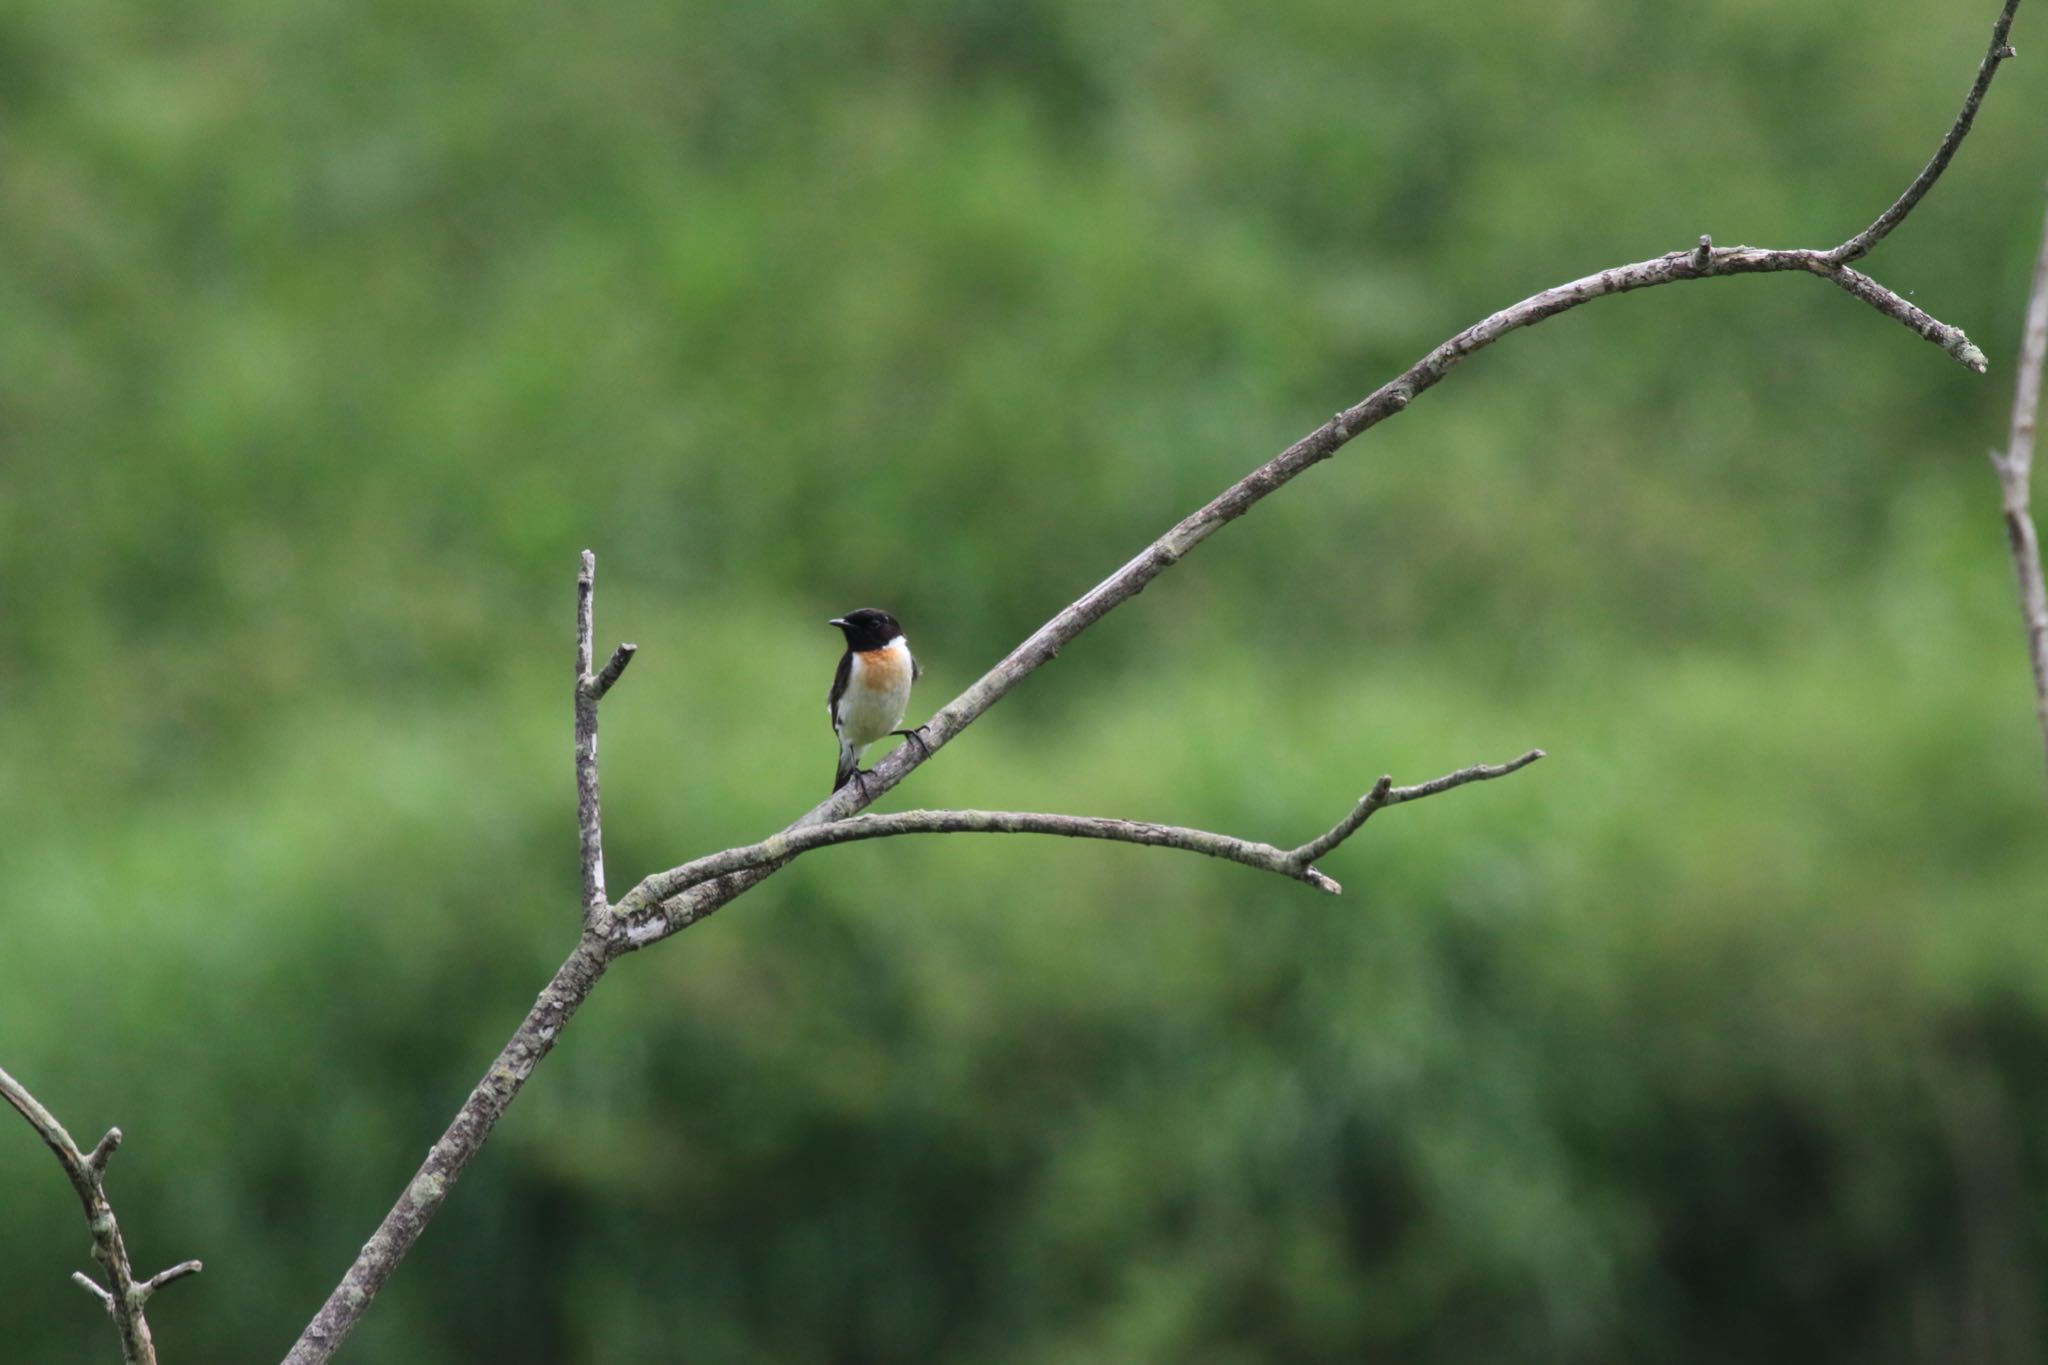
(164, 1277)
(609, 674)
(103, 1151)
(1861, 244)
(92, 1286)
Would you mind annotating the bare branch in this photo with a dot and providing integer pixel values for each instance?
(590, 690)
(1293, 863)
(1859, 246)
(586, 590)
(1951, 339)
(2015, 479)
(1362, 812)
(93, 1287)
(450, 1156)
(614, 666)
(124, 1301)
(103, 1151)
(782, 847)
(164, 1277)
(1384, 793)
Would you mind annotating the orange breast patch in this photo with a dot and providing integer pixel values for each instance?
(885, 669)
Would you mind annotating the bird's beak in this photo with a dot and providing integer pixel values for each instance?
(837, 621)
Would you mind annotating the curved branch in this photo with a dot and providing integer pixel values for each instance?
(780, 848)
(1295, 862)
(1859, 246)
(86, 1169)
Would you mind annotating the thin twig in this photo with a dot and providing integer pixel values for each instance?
(1295, 862)
(93, 1287)
(613, 667)
(1385, 793)
(125, 1299)
(590, 690)
(176, 1272)
(1859, 246)
(103, 1151)
(2015, 480)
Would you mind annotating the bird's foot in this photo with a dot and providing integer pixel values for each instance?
(916, 736)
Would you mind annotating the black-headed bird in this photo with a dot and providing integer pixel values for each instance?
(871, 688)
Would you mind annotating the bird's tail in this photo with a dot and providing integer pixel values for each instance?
(849, 764)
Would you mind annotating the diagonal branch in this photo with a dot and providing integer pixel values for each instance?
(125, 1299)
(2015, 478)
(1295, 862)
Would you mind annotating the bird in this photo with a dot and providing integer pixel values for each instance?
(870, 689)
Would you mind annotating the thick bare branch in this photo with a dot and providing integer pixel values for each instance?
(125, 1299)
(446, 1160)
(1295, 862)
(1859, 246)
(2015, 480)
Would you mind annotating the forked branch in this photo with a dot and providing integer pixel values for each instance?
(87, 1170)
(1298, 863)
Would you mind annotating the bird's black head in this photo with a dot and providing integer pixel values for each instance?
(867, 628)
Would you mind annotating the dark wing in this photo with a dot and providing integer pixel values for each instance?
(916, 668)
(838, 687)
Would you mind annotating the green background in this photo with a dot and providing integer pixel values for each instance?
(329, 335)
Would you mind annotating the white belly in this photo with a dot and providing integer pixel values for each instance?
(877, 691)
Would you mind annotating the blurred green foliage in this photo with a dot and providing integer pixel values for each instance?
(330, 333)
